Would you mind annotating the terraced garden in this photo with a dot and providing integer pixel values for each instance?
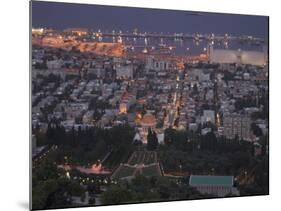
(152, 170)
(123, 171)
(140, 162)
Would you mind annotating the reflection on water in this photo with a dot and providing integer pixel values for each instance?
(178, 46)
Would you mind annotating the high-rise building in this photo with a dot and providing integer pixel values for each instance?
(237, 125)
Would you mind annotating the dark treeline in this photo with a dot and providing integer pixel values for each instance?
(192, 153)
(190, 141)
(85, 146)
(152, 140)
(50, 189)
(145, 189)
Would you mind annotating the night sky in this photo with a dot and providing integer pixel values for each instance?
(66, 15)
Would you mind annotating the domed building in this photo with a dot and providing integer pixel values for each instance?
(148, 121)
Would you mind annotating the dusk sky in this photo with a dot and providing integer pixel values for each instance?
(65, 15)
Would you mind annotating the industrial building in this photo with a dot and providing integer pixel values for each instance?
(243, 57)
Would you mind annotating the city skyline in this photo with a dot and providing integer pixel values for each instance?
(60, 16)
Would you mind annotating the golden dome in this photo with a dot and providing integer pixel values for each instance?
(148, 120)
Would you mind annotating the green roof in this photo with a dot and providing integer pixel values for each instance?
(211, 180)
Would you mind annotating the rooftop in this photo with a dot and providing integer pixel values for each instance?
(211, 180)
(148, 119)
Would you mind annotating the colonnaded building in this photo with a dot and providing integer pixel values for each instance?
(225, 56)
(220, 186)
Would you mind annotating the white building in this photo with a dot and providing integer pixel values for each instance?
(124, 71)
(199, 75)
(246, 76)
(206, 130)
(208, 116)
(157, 65)
(54, 64)
(192, 127)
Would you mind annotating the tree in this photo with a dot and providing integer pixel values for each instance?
(169, 135)
(209, 141)
(149, 139)
(195, 89)
(116, 195)
(256, 130)
(152, 140)
(92, 200)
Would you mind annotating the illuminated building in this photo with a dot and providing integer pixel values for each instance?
(77, 31)
(148, 122)
(127, 100)
(37, 31)
(123, 108)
